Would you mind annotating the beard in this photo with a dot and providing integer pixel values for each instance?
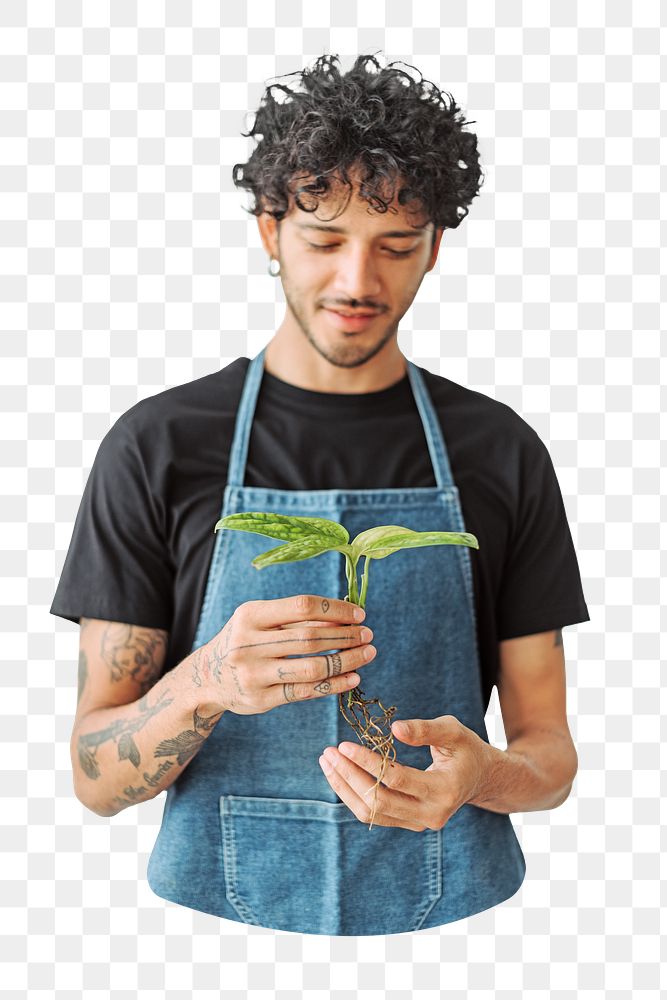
(344, 350)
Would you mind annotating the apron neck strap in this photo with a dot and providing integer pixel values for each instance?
(246, 411)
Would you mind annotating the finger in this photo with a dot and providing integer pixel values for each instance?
(398, 808)
(359, 794)
(409, 781)
(289, 691)
(307, 640)
(313, 669)
(301, 608)
(310, 624)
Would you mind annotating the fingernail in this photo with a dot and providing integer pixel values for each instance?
(325, 765)
(359, 614)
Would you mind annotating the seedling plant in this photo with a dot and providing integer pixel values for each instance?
(305, 537)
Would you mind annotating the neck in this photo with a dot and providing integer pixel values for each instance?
(295, 360)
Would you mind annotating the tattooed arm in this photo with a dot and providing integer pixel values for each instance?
(133, 733)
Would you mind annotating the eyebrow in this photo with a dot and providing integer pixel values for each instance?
(415, 230)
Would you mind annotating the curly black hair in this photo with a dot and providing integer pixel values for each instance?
(382, 121)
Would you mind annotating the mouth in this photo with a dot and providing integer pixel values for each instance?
(353, 322)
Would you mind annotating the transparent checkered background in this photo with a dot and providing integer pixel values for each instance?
(127, 265)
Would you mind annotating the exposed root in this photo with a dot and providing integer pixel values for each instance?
(370, 733)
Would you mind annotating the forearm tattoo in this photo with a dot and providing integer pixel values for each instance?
(132, 652)
(187, 743)
(121, 731)
(135, 652)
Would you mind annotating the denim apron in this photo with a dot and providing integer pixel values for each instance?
(251, 830)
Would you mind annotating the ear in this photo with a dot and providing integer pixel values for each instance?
(268, 231)
(436, 248)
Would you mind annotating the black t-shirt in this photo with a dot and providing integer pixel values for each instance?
(143, 537)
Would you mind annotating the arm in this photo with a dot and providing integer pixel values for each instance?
(133, 735)
(537, 769)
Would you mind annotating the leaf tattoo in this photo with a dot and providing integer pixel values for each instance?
(128, 750)
(122, 732)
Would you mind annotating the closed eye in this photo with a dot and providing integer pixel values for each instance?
(332, 246)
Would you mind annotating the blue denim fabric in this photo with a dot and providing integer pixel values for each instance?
(252, 830)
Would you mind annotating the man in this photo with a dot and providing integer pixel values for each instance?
(188, 678)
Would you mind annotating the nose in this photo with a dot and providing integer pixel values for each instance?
(357, 276)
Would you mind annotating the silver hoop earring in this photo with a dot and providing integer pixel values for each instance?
(274, 271)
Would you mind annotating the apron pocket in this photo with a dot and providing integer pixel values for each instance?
(311, 866)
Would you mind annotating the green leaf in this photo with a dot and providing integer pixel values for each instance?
(302, 548)
(380, 542)
(286, 528)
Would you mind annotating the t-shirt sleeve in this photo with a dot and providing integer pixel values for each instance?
(117, 567)
(541, 585)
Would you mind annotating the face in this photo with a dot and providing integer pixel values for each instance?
(362, 263)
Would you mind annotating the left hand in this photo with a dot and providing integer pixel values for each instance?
(408, 797)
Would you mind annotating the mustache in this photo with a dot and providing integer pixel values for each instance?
(354, 307)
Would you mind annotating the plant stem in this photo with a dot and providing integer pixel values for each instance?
(351, 573)
(364, 581)
(382, 743)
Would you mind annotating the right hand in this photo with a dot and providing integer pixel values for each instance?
(246, 664)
